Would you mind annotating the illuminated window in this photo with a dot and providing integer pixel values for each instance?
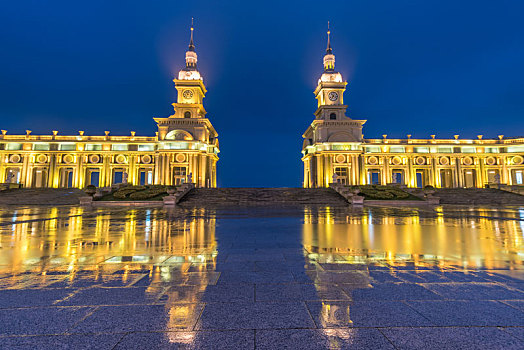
(333, 116)
(491, 150)
(445, 150)
(187, 114)
(469, 150)
(14, 146)
(41, 147)
(119, 147)
(146, 147)
(93, 147)
(373, 149)
(397, 149)
(67, 147)
(516, 149)
(421, 149)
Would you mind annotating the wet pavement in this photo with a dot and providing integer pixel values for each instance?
(264, 278)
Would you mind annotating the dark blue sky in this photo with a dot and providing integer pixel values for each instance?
(413, 67)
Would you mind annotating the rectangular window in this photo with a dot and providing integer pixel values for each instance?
(180, 171)
(14, 146)
(146, 148)
(146, 177)
(118, 177)
(491, 150)
(515, 149)
(469, 150)
(421, 149)
(397, 149)
(444, 149)
(176, 145)
(93, 147)
(119, 147)
(41, 146)
(67, 147)
(372, 149)
(94, 178)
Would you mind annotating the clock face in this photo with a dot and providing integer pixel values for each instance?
(333, 96)
(187, 94)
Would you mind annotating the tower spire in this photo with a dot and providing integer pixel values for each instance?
(328, 49)
(191, 56)
(329, 58)
(191, 44)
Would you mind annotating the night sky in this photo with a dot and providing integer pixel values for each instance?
(413, 67)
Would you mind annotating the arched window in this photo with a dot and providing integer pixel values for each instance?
(187, 114)
(333, 116)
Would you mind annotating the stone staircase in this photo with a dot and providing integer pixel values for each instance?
(485, 196)
(262, 196)
(41, 196)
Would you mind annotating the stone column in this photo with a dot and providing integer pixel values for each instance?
(504, 172)
(459, 171)
(481, 178)
(386, 176)
(156, 170)
(362, 165)
(436, 179)
(79, 178)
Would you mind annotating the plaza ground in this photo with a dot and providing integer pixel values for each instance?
(273, 277)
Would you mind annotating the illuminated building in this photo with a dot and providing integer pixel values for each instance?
(334, 144)
(186, 145)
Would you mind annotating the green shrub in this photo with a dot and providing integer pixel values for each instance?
(148, 193)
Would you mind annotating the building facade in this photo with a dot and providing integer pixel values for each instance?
(184, 149)
(334, 145)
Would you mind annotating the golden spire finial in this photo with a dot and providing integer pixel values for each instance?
(191, 44)
(328, 50)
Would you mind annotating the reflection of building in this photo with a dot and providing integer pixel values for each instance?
(186, 143)
(143, 237)
(334, 144)
(377, 235)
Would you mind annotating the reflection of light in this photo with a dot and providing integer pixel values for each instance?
(521, 213)
(381, 235)
(181, 337)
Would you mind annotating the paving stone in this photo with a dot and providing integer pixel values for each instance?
(32, 297)
(365, 314)
(390, 291)
(299, 292)
(383, 277)
(114, 296)
(474, 291)
(237, 277)
(313, 339)
(517, 332)
(117, 319)
(258, 315)
(242, 339)
(221, 293)
(466, 276)
(469, 313)
(422, 277)
(49, 320)
(440, 338)
(519, 304)
(65, 342)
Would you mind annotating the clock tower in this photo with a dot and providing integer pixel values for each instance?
(332, 134)
(188, 143)
(330, 89)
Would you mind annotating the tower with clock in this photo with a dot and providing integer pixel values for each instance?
(332, 133)
(188, 142)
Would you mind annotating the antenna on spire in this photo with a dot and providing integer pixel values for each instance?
(328, 50)
(191, 44)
